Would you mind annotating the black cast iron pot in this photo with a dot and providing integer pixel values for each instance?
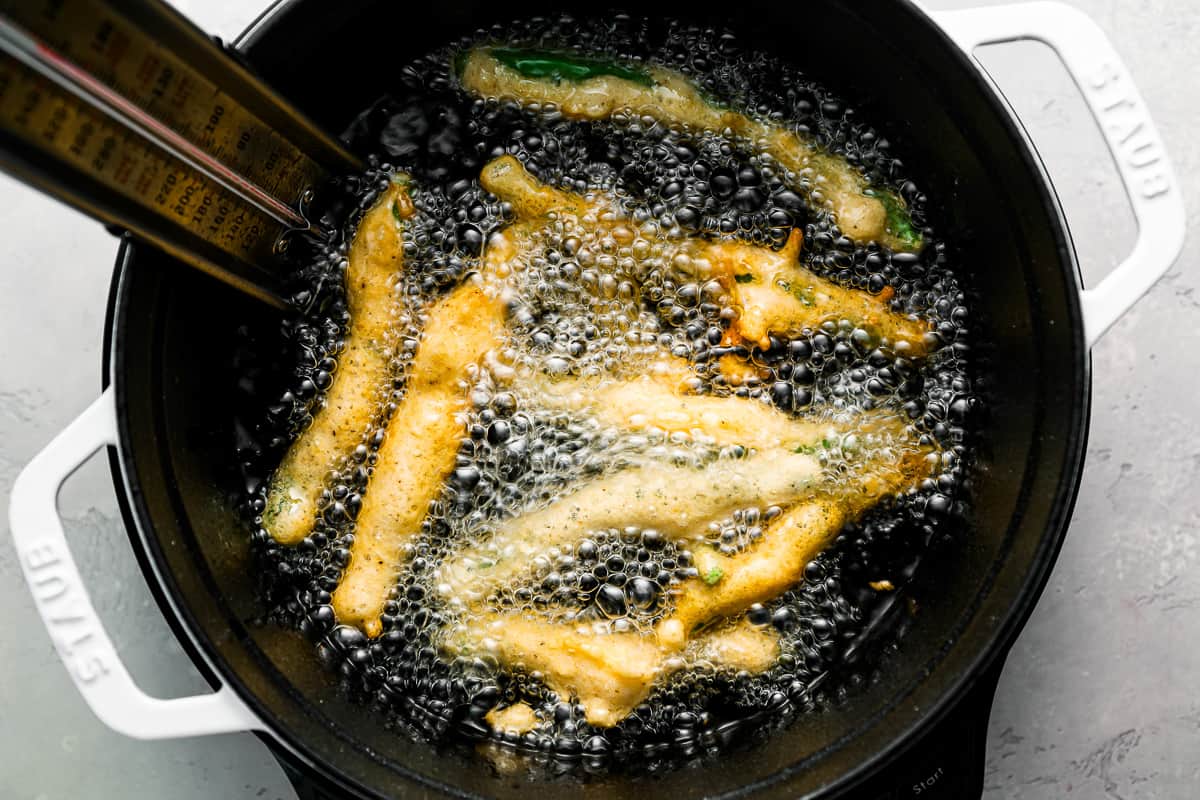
(919, 730)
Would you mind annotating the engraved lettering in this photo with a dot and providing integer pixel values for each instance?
(50, 587)
(1137, 149)
(82, 638)
(66, 617)
(70, 621)
(40, 555)
(89, 669)
(1118, 103)
(1144, 154)
(1104, 74)
(1125, 134)
(148, 68)
(1155, 185)
(107, 147)
(922, 786)
(82, 136)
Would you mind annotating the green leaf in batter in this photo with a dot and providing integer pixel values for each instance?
(899, 223)
(558, 67)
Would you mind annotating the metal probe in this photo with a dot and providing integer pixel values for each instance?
(125, 110)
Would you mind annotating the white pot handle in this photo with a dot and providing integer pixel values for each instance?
(67, 611)
(1128, 131)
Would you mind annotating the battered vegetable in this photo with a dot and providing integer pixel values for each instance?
(677, 501)
(423, 434)
(517, 718)
(589, 88)
(758, 575)
(612, 673)
(507, 178)
(680, 501)
(778, 296)
(825, 473)
(376, 258)
(652, 403)
(418, 449)
(737, 645)
(773, 292)
(776, 564)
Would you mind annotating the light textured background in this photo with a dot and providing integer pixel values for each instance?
(1101, 695)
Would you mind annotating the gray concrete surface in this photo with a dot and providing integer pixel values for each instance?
(1101, 695)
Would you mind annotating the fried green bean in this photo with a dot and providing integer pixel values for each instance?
(777, 296)
(729, 585)
(610, 674)
(774, 293)
(424, 433)
(532, 200)
(653, 402)
(418, 449)
(589, 88)
(363, 373)
(677, 501)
